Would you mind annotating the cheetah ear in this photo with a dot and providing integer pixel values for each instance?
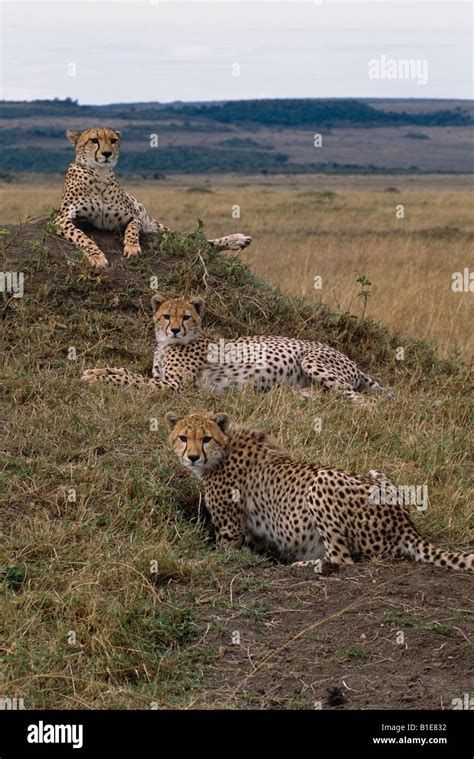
(171, 420)
(222, 421)
(197, 303)
(118, 133)
(73, 136)
(156, 301)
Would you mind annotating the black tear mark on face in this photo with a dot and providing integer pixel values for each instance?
(95, 141)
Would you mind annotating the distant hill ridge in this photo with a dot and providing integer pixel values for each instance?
(248, 136)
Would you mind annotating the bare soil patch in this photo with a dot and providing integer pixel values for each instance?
(372, 636)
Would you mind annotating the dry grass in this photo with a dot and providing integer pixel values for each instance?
(301, 233)
(82, 566)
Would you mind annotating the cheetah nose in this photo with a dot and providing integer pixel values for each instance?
(175, 330)
(193, 457)
(106, 153)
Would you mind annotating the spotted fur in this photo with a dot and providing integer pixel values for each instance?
(256, 493)
(183, 354)
(93, 193)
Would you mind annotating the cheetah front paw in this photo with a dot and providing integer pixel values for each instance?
(319, 566)
(96, 375)
(131, 250)
(231, 242)
(316, 564)
(97, 260)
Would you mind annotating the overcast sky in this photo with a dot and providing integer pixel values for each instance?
(112, 51)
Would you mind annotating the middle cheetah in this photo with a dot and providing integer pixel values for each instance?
(185, 353)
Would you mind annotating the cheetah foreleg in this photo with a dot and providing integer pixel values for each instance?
(131, 246)
(125, 378)
(329, 378)
(94, 256)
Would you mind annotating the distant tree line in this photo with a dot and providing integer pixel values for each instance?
(186, 160)
(286, 112)
(178, 159)
(297, 113)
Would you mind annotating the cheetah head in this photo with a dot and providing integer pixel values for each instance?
(199, 440)
(98, 146)
(177, 321)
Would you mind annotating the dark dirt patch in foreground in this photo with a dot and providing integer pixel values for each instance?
(331, 642)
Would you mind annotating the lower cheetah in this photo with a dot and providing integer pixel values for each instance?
(93, 193)
(256, 493)
(185, 353)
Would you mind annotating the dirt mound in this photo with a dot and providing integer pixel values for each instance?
(29, 245)
(374, 636)
(237, 302)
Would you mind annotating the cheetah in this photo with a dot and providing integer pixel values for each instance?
(256, 493)
(93, 193)
(185, 353)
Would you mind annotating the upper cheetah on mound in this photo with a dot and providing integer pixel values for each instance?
(185, 353)
(257, 494)
(93, 193)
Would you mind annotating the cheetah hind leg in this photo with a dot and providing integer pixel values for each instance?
(306, 393)
(152, 226)
(382, 487)
(380, 477)
(147, 223)
(329, 379)
(371, 386)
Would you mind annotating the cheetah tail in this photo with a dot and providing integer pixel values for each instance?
(418, 549)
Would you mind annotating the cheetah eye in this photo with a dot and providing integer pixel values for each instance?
(183, 438)
(95, 140)
(113, 141)
(186, 317)
(207, 439)
(166, 316)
